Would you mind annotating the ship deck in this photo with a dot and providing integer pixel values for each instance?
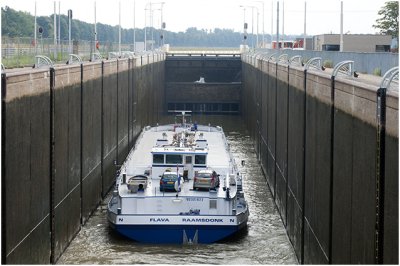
(140, 159)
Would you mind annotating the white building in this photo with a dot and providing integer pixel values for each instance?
(353, 42)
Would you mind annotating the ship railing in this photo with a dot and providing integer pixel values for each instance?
(232, 163)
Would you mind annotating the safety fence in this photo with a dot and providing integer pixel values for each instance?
(21, 51)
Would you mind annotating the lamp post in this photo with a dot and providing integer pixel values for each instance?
(161, 22)
(134, 26)
(263, 32)
(162, 26)
(151, 21)
(145, 25)
(277, 25)
(244, 25)
(305, 26)
(55, 31)
(252, 24)
(59, 28)
(69, 31)
(119, 30)
(341, 26)
(272, 22)
(95, 31)
(35, 41)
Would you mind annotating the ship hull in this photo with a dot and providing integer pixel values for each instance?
(167, 230)
(176, 234)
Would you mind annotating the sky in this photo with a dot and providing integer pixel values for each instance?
(322, 16)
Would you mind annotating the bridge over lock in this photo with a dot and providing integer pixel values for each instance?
(330, 164)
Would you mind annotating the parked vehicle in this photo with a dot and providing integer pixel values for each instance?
(168, 180)
(206, 179)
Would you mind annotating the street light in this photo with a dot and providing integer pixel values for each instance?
(134, 25)
(162, 25)
(145, 25)
(263, 40)
(244, 25)
(69, 30)
(252, 23)
(151, 21)
(161, 29)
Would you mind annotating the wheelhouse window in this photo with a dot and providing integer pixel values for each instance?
(158, 158)
(173, 159)
(199, 159)
(188, 160)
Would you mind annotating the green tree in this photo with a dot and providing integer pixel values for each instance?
(388, 23)
(16, 23)
(21, 24)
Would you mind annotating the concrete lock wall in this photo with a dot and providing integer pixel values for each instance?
(316, 139)
(25, 167)
(62, 131)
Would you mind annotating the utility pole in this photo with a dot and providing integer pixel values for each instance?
(272, 22)
(258, 13)
(35, 37)
(59, 27)
(151, 27)
(69, 31)
(134, 26)
(341, 26)
(145, 27)
(305, 25)
(283, 21)
(119, 32)
(263, 37)
(277, 25)
(95, 31)
(55, 30)
(162, 26)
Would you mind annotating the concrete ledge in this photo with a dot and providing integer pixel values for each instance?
(123, 64)
(296, 78)
(110, 67)
(356, 101)
(67, 76)
(392, 113)
(22, 84)
(282, 73)
(272, 69)
(91, 71)
(264, 65)
(319, 86)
